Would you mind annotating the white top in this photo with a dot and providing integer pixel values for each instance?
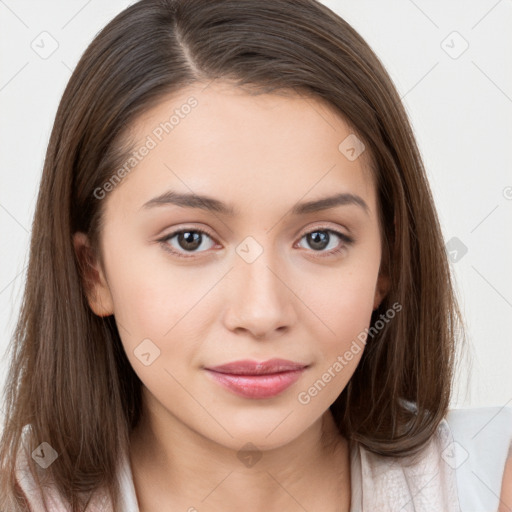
(459, 470)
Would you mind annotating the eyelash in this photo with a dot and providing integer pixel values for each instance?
(347, 240)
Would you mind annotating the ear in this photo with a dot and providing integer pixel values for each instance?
(93, 277)
(381, 290)
(383, 281)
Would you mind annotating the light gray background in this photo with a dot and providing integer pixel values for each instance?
(459, 102)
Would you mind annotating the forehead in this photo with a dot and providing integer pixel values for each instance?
(254, 151)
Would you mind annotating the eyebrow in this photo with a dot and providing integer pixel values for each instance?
(203, 202)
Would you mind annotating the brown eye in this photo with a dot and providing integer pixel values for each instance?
(189, 240)
(186, 241)
(320, 239)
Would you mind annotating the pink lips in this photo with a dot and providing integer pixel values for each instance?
(251, 379)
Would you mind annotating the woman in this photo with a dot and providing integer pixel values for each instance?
(238, 295)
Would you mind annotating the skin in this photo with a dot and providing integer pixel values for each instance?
(506, 486)
(261, 154)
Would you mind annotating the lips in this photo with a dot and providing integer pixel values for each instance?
(252, 379)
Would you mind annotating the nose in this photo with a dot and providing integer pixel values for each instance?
(261, 301)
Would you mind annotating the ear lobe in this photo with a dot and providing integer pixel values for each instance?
(93, 277)
(381, 290)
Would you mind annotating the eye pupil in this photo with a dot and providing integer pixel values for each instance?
(318, 239)
(191, 239)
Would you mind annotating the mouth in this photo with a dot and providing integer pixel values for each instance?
(252, 379)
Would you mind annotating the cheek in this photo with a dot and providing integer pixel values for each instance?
(343, 300)
(344, 309)
(150, 294)
(344, 320)
(165, 312)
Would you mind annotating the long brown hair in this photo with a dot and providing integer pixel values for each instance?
(69, 377)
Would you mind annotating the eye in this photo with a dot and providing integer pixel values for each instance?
(320, 239)
(193, 239)
(187, 240)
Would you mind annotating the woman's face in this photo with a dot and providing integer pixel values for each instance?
(264, 272)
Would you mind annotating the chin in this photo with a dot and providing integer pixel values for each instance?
(264, 433)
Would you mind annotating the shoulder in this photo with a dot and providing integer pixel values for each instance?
(482, 438)
(422, 482)
(506, 485)
(460, 468)
(28, 477)
(30, 474)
